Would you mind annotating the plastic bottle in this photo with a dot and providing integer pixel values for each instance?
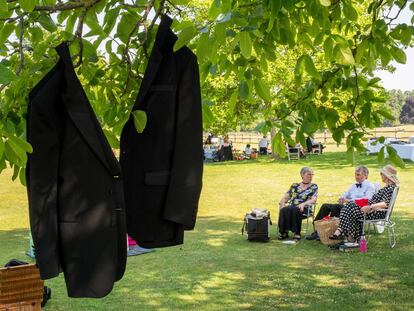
(363, 244)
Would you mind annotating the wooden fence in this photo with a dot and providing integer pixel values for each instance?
(325, 137)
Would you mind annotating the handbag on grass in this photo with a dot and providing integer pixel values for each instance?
(256, 223)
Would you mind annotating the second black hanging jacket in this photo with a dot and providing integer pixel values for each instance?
(162, 167)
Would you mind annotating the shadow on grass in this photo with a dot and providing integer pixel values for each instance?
(217, 269)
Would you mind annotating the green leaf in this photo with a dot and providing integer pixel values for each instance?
(110, 20)
(47, 23)
(344, 55)
(243, 90)
(220, 33)
(262, 89)
(6, 31)
(299, 68)
(3, 8)
(184, 37)
(203, 47)
(16, 170)
(17, 150)
(22, 177)
(214, 10)
(349, 11)
(381, 155)
(399, 55)
(140, 120)
(386, 114)
(233, 102)
(278, 145)
(208, 117)
(350, 155)
(27, 5)
(275, 6)
(325, 2)
(70, 23)
(310, 67)
(1, 147)
(394, 157)
(328, 49)
(24, 145)
(245, 44)
(6, 75)
(125, 26)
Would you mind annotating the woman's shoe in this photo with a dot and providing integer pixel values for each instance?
(282, 236)
(296, 237)
(336, 236)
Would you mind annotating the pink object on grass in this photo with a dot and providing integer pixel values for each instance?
(131, 241)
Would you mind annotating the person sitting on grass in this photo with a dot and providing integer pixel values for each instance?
(247, 152)
(294, 204)
(361, 189)
(350, 219)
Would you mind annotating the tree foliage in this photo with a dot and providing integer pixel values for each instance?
(407, 111)
(395, 101)
(333, 47)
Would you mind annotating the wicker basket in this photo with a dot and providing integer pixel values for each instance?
(20, 288)
(325, 228)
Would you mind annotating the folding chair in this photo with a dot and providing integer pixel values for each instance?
(293, 153)
(310, 214)
(386, 222)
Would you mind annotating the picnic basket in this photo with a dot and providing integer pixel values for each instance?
(325, 228)
(20, 288)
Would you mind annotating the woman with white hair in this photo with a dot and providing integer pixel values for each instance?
(350, 219)
(294, 204)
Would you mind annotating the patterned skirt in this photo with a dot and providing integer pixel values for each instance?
(350, 220)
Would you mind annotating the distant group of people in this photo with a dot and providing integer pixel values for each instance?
(223, 147)
(295, 202)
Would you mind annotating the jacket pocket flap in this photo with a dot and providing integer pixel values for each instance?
(157, 178)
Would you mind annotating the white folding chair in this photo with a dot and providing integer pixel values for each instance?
(385, 222)
(293, 153)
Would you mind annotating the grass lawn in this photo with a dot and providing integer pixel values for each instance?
(217, 269)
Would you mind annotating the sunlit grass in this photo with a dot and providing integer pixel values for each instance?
(217, 269)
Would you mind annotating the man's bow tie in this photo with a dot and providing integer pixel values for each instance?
(358, 185)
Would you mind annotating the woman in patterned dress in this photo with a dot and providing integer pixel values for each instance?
(350, 219)
(294, 203)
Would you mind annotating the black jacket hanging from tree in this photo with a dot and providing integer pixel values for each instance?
(162, 167)
(76, 199)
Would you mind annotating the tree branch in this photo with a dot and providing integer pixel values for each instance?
(21, 54)
(391, 19)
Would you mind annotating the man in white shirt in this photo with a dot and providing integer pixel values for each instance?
(361, 189)
(248, 151)
(263, 143)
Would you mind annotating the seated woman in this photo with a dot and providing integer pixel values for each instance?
(293, 204)
(350, 219)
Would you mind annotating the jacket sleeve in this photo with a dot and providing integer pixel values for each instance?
(187, 164)
(42, 184)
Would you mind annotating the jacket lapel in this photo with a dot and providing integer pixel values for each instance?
(154, 60)
(82, 115)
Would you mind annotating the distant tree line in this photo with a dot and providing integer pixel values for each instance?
(401, 104)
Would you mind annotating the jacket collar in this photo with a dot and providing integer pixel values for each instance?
(161, 40)
(82, 115)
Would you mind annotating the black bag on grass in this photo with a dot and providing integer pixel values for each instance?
(256, 224)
